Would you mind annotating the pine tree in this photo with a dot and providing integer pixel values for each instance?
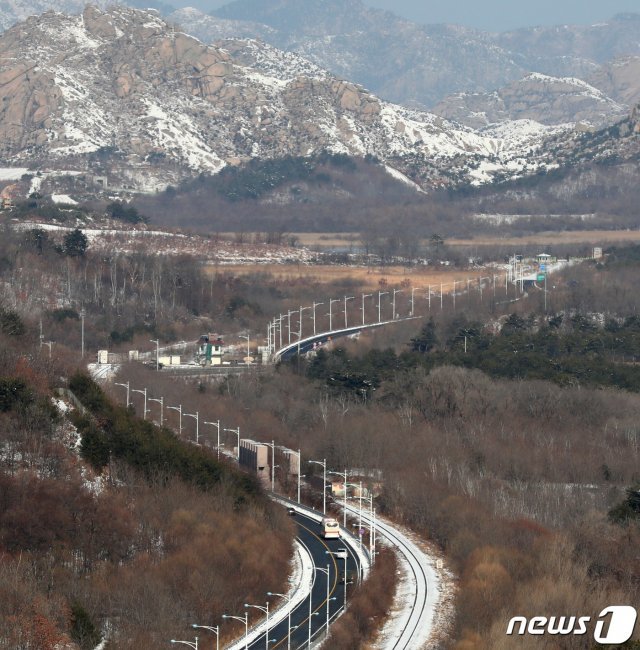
(75, 243)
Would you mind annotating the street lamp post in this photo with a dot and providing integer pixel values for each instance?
(215, 629)
(272, 444)
(299, 473)
(344, 509)
(344, 553)
(289, 314)
(374, 536)
(83, 313)
(380, 294)
(364, 295)
(237, 432)
(217, 426)
(300, 324)
(161, 402)
(326, 571)
(179, 409)
(359, 486)
(290, 452)
(360, 517)
(311, 614)
(323, 463)
(331, 301)
(128, 392)
(142, 392)
(266, 611)
(274, 593)
(393, 316)
(372, 527)
(315, 304)
(245, 620)
(191, 644)
(413, 290)
(157, 342)
(346, 322)
(196, 417)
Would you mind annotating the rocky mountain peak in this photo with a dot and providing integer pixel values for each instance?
(122, 92)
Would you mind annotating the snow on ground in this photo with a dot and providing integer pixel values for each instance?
(443, 614)
(126, 241)
(35, 185)
(423, 581)
(12, 173)
(103, 371)
(63, 198)
(500, 219)
(402, 178)
(61, 405)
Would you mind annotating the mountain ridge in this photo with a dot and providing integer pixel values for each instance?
(124, 86)
(418, 66)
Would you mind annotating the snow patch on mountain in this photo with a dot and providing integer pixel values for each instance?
(402, 178)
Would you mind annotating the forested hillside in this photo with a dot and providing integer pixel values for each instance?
(519, 458)
(114, 528)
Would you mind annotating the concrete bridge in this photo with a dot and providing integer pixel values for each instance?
(307, 344)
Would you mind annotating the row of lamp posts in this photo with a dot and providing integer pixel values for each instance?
(275, 328)
(322, 463)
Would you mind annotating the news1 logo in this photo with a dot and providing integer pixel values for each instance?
(614, 625)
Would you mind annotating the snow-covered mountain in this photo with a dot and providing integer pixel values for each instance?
(122, 90)
(538, 97)
(421, 66)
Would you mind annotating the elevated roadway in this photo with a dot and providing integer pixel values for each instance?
(307, 344)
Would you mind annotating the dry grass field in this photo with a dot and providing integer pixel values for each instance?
(368, 278)
(596, 237)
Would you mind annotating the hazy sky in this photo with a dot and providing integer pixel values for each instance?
(492, 15)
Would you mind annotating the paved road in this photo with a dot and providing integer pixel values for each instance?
(322, 551)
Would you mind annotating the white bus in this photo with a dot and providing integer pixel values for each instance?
(329, 528)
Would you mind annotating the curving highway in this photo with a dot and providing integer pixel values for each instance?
(324, 552)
